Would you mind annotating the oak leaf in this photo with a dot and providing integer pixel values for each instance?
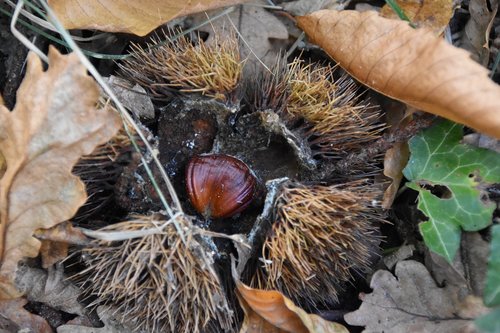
(52, 125)
(410, 65)
(269, 311)
(412, 302)
(136, 17)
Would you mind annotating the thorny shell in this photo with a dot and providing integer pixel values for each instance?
(219, 185)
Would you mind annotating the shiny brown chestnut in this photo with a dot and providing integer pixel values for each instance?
(219, 185)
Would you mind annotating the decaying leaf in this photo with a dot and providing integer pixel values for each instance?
(394, 162)
(50, 288)
(433, 14)
(410, 65)
(111, 325)
(56, 241)
(268, 311)
(412, 302)
(477, 29)
(53, 124)
(14, 310)
(136, 17)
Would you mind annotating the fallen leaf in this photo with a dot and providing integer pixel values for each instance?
(411, 302)
(3, 166)
(459, 174)
(402, 253)
(258, 29)
(482, 141)
(53, 124)
(394, 162)
(14, 310)
(269, 311)
(136, 17)
(56, 241)
(477, 30)
(51, 288)
(432, 14)
(303, 7)
(410, 65)
(492, 288)
(467, 272)
(111, 324)
(134, 97)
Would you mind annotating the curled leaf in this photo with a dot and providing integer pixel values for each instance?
(53, 124)
(269, 311)
(410, 65)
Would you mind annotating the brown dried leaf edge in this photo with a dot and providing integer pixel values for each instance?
(410, 65)
(269, 311)
(53, 124)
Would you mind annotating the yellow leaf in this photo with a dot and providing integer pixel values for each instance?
(137, 17)
(410, 65)
(433, 14)
(52, 125)
(269, 311)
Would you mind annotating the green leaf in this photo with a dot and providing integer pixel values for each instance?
(492, 288)
(489, 323)
(460, 172)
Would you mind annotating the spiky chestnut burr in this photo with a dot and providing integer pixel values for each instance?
(322, 111)
(320, 236)
(212, 70)
(157, 282)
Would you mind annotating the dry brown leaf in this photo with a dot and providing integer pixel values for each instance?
(268, 311)
(13, 309)
(412, 302)
(136, 17)
(51, 288)
(56, 241)
(410, 65)
(53, 124)
(394, 162)
(433, 14)
(477, 29)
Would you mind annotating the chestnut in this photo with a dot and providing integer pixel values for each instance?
(219, 185)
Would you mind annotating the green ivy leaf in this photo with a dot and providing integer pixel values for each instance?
(492, 288)
(489, 323)
(460, 172)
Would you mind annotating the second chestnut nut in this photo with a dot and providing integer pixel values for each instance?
(219, 185)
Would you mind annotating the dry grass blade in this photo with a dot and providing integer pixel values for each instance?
(321, 235)
(213, 71)
(157, 282)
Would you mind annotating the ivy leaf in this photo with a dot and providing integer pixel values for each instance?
(459, 173)
(492, 289)
(489, 323)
